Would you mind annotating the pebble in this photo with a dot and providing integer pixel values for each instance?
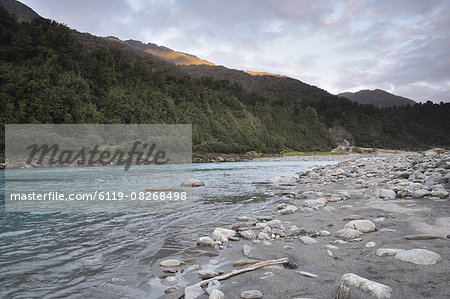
(289, 209)
(217, 294)
(247, 235)
(207, 241)
(307, 274)
(329, 253)
(371, 287)
(364, 226)
(421, 237)
(242, 219)
(171, 263)
(222, 234)
(323, 233)
(267, 275)
(193, 291)
(263, 236)
(307, 240)
(370, 244)
(346, 207)
(246, 250)
(170, 280)
(267, 243)
(252, 294)
(212, 285)
(348, 233)
(331, 247)
(206, 274)
(288, 247)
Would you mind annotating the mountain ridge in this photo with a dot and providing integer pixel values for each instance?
(377, 97)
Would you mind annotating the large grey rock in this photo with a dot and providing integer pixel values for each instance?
(364, 226)
(418, 256)
(371, 287)
(386, 193)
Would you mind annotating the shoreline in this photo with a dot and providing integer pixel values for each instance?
(396, 201)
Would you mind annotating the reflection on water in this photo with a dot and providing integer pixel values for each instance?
(77, 254)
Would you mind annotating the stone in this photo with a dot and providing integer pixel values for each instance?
(329, 209)
(267, 243)
(252, 294)
(216, 294)
(330, 247)
(307, 274)
(242, 219)
(370, 244)
(307, 240)
(346, 207)
(323, 233)
(348, 233)
(289, 209)
(387, 251)
(207, 241)
(420, 193)
(267, 275)
(295, 231)
(421, 237)
(192, 183)
(171, 263)
(387, 193)
(193, 291)
(364, 226)
(353, 217)
(418, 256)
(288, 247)
(246, 250)
(274, 223)
(371, 287)
(313, 203)
(264, 218)
(323, 199)
(329, 253)
(212, 285)
(439, 193)
(170, 280)
(379, 219)
(222, 234)
(206, 274)
(263, 236)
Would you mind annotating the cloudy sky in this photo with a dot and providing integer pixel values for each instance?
(402, 46)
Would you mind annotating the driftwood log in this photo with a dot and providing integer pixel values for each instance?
(284, 260)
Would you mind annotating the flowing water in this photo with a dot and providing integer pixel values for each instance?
(48, 255)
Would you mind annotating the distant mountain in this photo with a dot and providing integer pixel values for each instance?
(178, 58)
(377, 97)
(23, 12)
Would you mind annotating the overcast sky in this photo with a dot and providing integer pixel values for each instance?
(402, 46)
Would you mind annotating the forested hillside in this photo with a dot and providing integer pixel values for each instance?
(52, 74)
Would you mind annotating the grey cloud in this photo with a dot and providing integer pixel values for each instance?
(383, 44)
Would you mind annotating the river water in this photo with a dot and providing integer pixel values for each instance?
(75, 255)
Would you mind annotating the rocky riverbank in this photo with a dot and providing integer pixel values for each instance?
(376, 227)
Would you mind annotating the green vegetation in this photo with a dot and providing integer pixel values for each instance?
(51, 74)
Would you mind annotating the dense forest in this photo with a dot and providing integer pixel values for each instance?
(52, 74)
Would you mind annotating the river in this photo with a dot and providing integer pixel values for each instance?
(47, 255)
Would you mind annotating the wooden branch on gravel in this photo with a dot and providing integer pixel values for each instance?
(284, 260)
